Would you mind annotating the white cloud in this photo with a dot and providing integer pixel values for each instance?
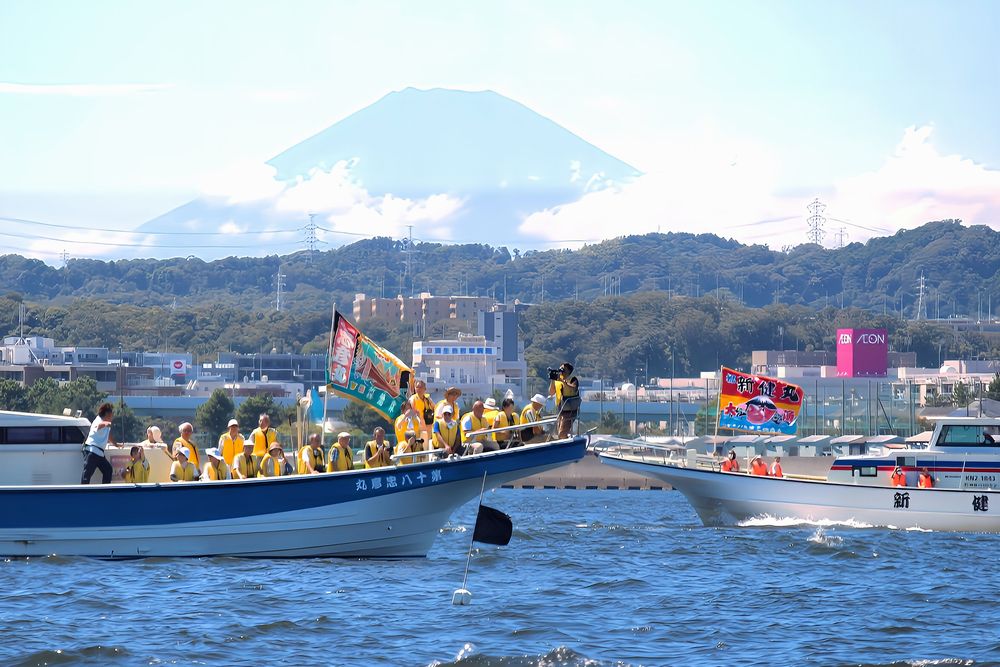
(731, 188)
(242, 182)
(82, 89)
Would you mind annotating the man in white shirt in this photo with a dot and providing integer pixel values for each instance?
(97, 442)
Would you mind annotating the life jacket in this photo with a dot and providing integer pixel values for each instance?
(371, 448)
(776, 470)
(262, 440)
(186, 473)
(138, 471)
(567, 395)
(275, 466)
(925, 481)
(341, 458)
(898, 479)
(424, 407)
(230, 447)
(317, 458)
(404, 424)
(441, 404)
(730, 465)
(758, 467)
(247, 465)
(489, 416)
(216, 472)
(181, 442)
(474, 424)
(406, 460)
(448, 433)
(502, 421)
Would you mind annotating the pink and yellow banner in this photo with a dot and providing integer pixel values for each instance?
(757, 403)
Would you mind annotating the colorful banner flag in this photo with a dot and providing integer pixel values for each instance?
(362, 371)
(757, 403)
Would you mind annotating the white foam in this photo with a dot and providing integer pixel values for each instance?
(820, 537)
(783, 522)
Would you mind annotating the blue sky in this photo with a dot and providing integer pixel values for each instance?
(113, 112)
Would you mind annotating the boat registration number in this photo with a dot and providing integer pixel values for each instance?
(980, 481)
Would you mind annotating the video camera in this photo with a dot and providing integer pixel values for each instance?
(554, 373)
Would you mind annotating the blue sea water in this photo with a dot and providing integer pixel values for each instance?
(590, 578)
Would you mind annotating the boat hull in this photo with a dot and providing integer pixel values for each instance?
(725, 499)
(378, 513)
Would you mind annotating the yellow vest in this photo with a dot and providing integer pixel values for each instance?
(269, 463)
(441, 404)
(565, 390)
(406, 460)
(262, 440)
(504, 436)
(187, 473)
(370, 448)
(447, 434)
(217, 472)
(344, 460)
(230, 447)
(181, 442)
(138, 471)
(476, 424)
(403, 425)
(317, 458)
(247, 465)
(420, 404)
(490, 415)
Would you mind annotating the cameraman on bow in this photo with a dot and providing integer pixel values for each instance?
(566, 388)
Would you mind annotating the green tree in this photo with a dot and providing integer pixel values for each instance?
(126, 426)
(364, 418)
(254, 406)
(43, 396)
(13, 396)
(611, 424)
(961, 396)
(993, 390)
(213, 415)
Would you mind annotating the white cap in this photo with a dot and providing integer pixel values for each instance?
(490, 403)
(343, 434)
(232, 422)
(185, 451)
(538, 398)
(447, 408)
(214, 452)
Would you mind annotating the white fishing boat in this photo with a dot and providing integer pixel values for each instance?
(391, 512)
(962, 457)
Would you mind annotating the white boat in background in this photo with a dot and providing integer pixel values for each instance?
(963, 457)
(392, 512)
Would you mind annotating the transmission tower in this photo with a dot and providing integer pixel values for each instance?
(279, 280)
(311, 241)
(65, 258)
(921, 310)
(816, 222)
(840, 236)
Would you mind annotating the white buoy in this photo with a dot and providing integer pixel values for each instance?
(461, 596)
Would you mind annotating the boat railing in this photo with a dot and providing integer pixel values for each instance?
(652, 452)
(510, 442)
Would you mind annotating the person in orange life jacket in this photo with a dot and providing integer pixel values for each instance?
(758, 467)
(776, 467)
(898, 477)
(215, 468)
(97, 441)
(925, 481)
(448, 434)
(731, 464)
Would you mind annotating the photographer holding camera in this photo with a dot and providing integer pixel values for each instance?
(566, 388)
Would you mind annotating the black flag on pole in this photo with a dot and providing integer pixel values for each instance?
(492, 527)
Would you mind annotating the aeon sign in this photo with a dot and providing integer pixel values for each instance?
(862, 353)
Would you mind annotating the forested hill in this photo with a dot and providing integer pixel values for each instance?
(959, 264)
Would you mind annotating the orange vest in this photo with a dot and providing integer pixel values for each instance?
(925, 481)
(898, 479)
(730, 465)
(776, 470)
(758, 467)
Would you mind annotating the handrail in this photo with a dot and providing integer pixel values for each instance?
(515, 427)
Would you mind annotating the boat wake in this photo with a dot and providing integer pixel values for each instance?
(768, 521)
(821, 538)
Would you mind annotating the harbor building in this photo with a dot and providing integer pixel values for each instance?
(423, 308)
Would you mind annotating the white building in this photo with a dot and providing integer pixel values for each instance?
(468, 362)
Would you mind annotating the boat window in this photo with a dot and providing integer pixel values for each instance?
(865, 471)
(906, 461)
(41, 435)
(967, 435)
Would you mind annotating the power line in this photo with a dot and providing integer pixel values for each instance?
(25, 221)
(39, 237)
(882, 230)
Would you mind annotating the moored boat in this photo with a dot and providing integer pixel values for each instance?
(962, 457)
(392, 512)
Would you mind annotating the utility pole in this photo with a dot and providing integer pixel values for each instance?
(840, 236)
(409, 255)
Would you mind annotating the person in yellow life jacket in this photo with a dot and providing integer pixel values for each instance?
(185, 440)
(925, 481)
(410, 443)
(532, 412)
(776, 468)
(137, 470)
(423, 405)
(409, 420)
(566, 388)
(731, 464)
(447, 433)
(311, 459)
(758, 467)
(245, 464)
(475, 421)
(341, 457)
(273, 463)
(216, 468)
(898, 477)
(490, 410)
(451, 396)
(182, 470)
(231, 442)
(263, 436)
(378, 452)
(506, 417)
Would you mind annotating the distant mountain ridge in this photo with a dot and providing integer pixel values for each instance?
(961, 267)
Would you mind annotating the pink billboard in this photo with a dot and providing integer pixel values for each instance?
(862, 353)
